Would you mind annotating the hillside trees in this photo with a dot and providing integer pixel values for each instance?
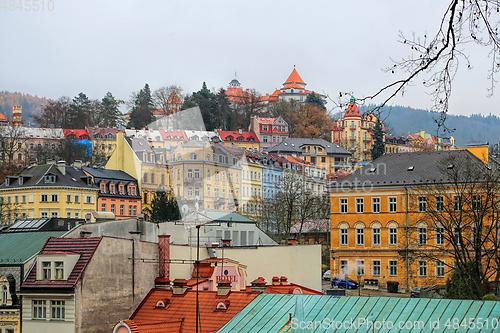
(311, 122)
(141, 104)
(161, 96)
(315, 100)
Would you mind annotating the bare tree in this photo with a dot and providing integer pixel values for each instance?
(162, 95)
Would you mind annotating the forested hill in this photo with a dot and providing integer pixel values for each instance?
(31, 104)
(474, 128)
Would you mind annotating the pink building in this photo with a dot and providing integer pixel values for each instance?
(270, 131)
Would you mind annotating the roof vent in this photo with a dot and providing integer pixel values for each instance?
(372, 170)
(450, 166)
(411, 168)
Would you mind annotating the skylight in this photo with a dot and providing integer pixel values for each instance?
(411, 168)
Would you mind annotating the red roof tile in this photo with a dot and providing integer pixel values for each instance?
(174, 98)
(247, 136)
(80, 134)
(83, 246)
(183, 307)
(173, 135)
(173, 326)
(4, 119)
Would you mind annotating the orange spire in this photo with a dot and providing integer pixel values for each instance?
(294, 77)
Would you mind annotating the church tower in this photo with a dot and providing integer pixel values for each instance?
(17, 115)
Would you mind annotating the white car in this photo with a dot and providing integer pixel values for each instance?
(326, 275)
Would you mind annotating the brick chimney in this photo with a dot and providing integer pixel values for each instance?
(259, 284)
(223, 287)
(163, 280)
(180, 286)
(226, 242)
(283, 281)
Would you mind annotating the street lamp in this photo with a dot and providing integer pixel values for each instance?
(359, 283)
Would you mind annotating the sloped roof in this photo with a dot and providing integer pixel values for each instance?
(34, 176)
(110, 174)
(294, 77)
(103, 131)
(322, 225)
(173, 134)
(292, 145)
(235, 134)
(269, 312)
(4, 119)
(183, 307)
(407, 169)
(83, 246)
(78, 133)
(173, 326)
(19, 247)
(352, 109)
(174, 98)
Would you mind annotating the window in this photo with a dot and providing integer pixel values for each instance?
(476, 202)
(457, 235)
(77, 199)
(193, 156)
(190, 173)
(197, 192)
(439, 203)
(46, 270)
(439, 236)
(145, 198)
(145, 178)
(422, 236)
(208, 174)
(360, 236)
(422, 204)
(135, 211)
(343, 236)
(89, 199)
(68, 215)
(359, 205)
(103, 207)
(122, 209)
(393, 205)
(360, 267)
(39, 310)
(68, 197)
(422, 268)
(77, 215)
(376, 267)
(376, 205)
(457, 203)
(113, 208)
(57, 310)
(50, 178)
(439, 268)
(393, 236)
(44, 198)
(129, 210)
(343, 206)
(344, 267)
(376, 236)
(4, 295)
(59, 270)
(190, 191)
(393, 268)
(196, 173)
(152, 179)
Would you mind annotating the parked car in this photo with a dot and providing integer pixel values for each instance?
(344, 282)
(326, 275)
(415, 292)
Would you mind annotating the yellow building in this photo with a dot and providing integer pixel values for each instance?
(148, 165)
(205, 177)
(354, 132)
(103, 142)
(49, 190)
(383, 219)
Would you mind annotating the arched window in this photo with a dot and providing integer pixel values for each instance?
(4, 295)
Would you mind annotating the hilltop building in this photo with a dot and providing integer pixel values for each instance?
(354, 132)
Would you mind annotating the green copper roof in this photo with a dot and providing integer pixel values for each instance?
(317, 313)
(19, 247)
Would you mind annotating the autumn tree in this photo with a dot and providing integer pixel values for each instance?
(311, 122)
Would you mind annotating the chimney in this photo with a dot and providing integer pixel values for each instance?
(77, 164)
(226, 242)
(164, 256)
(180, 286)
(61, 165)
(240, 131)
(223, 287)
(259, 284)
(276, 281)
(283, 281)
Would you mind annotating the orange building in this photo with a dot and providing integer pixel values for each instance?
(381, 225)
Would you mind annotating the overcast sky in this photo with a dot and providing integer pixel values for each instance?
(118, 46)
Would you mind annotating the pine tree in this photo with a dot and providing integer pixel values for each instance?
(378, 148)
(163, 208)
(111, 116)
(315, 100)
(142, 114)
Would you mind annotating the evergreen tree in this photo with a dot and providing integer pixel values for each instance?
(141, 115)
(163, 208)
(80, 111)
(315, 100)
(378, 148)
(111, 117)
(464, 282)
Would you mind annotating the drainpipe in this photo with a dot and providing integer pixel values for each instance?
(406, 229)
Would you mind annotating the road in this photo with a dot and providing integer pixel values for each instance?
(366, 292)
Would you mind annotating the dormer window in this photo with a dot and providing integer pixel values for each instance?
(56, 266)
(50, 179)
(222, 306)
(162, 303)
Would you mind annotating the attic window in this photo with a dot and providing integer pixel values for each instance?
(222, 306)
(162, 303)
(50, 178)
(411, 168)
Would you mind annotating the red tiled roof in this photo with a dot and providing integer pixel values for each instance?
(206, 270)
(274, 96)
(103, 131)
(173, 326)
(173, 134)
(183, 307)
(294, 77)
(266, 121)
(83, 246)
(224, 135)
(4, 118)
(174, 98)
(292, 85)
(352, 109)
(78, 133)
